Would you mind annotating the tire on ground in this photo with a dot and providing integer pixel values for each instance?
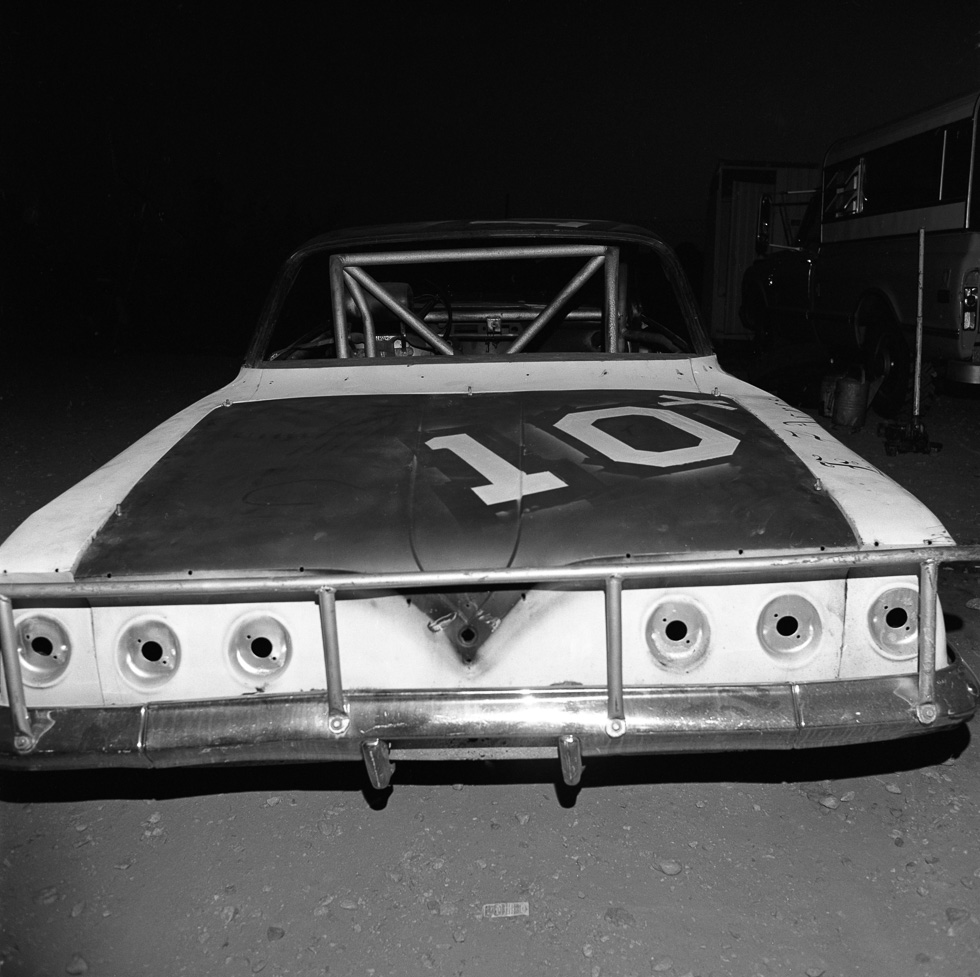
(888, 361)
(888, 367)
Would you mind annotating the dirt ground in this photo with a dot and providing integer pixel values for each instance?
(859, 861)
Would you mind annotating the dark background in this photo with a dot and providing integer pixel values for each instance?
(160, 159)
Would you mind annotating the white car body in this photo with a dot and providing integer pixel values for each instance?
(487, 618)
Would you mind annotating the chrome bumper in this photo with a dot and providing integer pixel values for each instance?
(573, 722)
(564, 723)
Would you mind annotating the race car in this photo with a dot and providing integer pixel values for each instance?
(481, 489)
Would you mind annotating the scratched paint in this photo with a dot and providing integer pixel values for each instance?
(856, 484)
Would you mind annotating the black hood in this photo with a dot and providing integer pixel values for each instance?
(395, 483)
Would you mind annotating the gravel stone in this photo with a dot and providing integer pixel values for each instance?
(619, 916)
(46, 897)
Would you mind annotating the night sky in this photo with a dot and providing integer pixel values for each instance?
(160, 159)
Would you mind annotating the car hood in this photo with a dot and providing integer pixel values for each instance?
(376, 483)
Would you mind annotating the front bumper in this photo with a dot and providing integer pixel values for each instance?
(572, 722)
(565, 722)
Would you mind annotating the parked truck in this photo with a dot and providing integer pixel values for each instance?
(849, 281)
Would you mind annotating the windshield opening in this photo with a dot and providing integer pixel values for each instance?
(516, 297)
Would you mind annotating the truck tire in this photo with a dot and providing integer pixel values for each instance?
(888, 367)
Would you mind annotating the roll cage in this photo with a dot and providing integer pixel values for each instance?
(348, 274)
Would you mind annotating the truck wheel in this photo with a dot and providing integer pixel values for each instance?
(888, 366)
(891, 398)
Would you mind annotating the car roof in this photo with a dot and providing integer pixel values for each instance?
(456, 230)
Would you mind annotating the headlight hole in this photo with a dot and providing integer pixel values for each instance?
(893, 620)
(678, 634)
(789, 628)
(675, 630)
(897, 617)
(258, 648)
(148, 653)
(151, 651)
(261, 647)
(41, 645)
(44, 649)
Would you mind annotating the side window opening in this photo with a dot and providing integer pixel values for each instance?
(956, 161)
(844, 190)
(921, 171)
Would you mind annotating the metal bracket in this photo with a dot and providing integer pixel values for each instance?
(925, 710)
(927, 713)
(615, 707)
(570, 755)
(338, 723)
(25, 743)
(26, 735)
(378, 763)
(339, 720)
(616, 728)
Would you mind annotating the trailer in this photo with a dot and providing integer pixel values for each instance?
(737, 191)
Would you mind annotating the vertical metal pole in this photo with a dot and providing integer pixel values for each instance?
(358, 293)
(925, 709)
(612, 300)
(337, 293)
(615, 711)
(622, 310)
(24, 735)
(338, 720)
(916, 376)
